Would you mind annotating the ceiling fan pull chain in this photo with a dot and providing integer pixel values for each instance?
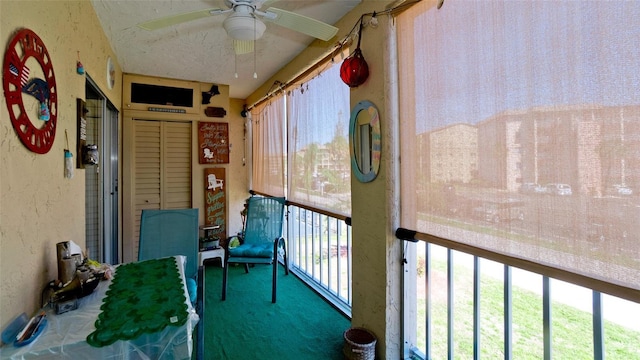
(255, 74)
(235, 65)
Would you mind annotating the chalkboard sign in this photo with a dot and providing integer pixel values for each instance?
(213, 142)
(215, 200)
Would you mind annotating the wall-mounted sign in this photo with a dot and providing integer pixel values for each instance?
(215, 201)
(213, 142)
(81, 141)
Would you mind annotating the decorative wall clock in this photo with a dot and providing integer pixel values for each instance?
(37, 134)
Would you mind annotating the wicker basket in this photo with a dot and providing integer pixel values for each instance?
(359, 344)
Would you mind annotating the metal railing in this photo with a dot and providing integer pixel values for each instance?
(319, 252)
(470, 307)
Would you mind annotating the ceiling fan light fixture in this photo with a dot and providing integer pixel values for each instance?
(242, 47)
(243, 27)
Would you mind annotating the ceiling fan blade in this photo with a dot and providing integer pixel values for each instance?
(243, 46)
(179, 18)
(266, 3)
(301, 23)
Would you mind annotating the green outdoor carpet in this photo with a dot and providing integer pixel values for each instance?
(300, 325)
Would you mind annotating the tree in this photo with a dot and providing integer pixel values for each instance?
(310, 161)
(337, 173)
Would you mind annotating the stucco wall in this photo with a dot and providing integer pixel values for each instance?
(38, 205)
(238, 171)
(377, 254)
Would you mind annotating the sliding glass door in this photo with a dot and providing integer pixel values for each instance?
(101, 189)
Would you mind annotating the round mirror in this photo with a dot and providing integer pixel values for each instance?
(364, 138)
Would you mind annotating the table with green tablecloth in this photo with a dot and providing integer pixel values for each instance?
(143, 312)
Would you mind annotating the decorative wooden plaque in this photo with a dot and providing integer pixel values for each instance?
(215, 200)
(81, 141)
(213, 142)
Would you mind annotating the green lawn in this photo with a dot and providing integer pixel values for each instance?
(571, 328)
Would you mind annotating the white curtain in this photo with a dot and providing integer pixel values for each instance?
(319, 163)
(521, 130)
(268, 123)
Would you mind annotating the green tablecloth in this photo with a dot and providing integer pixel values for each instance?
(144, 297)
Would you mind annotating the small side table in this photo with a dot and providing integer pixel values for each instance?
(211, 254)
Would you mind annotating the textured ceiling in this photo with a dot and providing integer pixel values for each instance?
(200, 50)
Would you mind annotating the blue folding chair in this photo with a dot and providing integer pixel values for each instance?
(171, 232)
(261, 242)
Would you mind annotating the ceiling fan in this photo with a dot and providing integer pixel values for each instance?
(244, 24)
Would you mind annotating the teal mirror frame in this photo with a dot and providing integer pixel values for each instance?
(365, 141)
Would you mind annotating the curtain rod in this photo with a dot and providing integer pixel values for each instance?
(393, 10)
(305, 73)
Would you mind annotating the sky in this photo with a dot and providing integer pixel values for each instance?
(318, 106)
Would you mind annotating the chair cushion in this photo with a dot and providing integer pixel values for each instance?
(192, 288)
(263, 250)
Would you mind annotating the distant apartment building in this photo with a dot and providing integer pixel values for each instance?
(620, 147)
(453, 154)
(325, 159)
(500, 151)
(591, 148)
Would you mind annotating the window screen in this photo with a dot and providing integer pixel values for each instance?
(520, 125)
(320, 167)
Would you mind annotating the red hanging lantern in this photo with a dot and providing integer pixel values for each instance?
(354, 70)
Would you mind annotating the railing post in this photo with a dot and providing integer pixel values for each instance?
(508, 314)
(450, 300)
(476, 308)
(598, 327)
(546, 316)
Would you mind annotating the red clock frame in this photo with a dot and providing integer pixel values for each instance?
(24, 45)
